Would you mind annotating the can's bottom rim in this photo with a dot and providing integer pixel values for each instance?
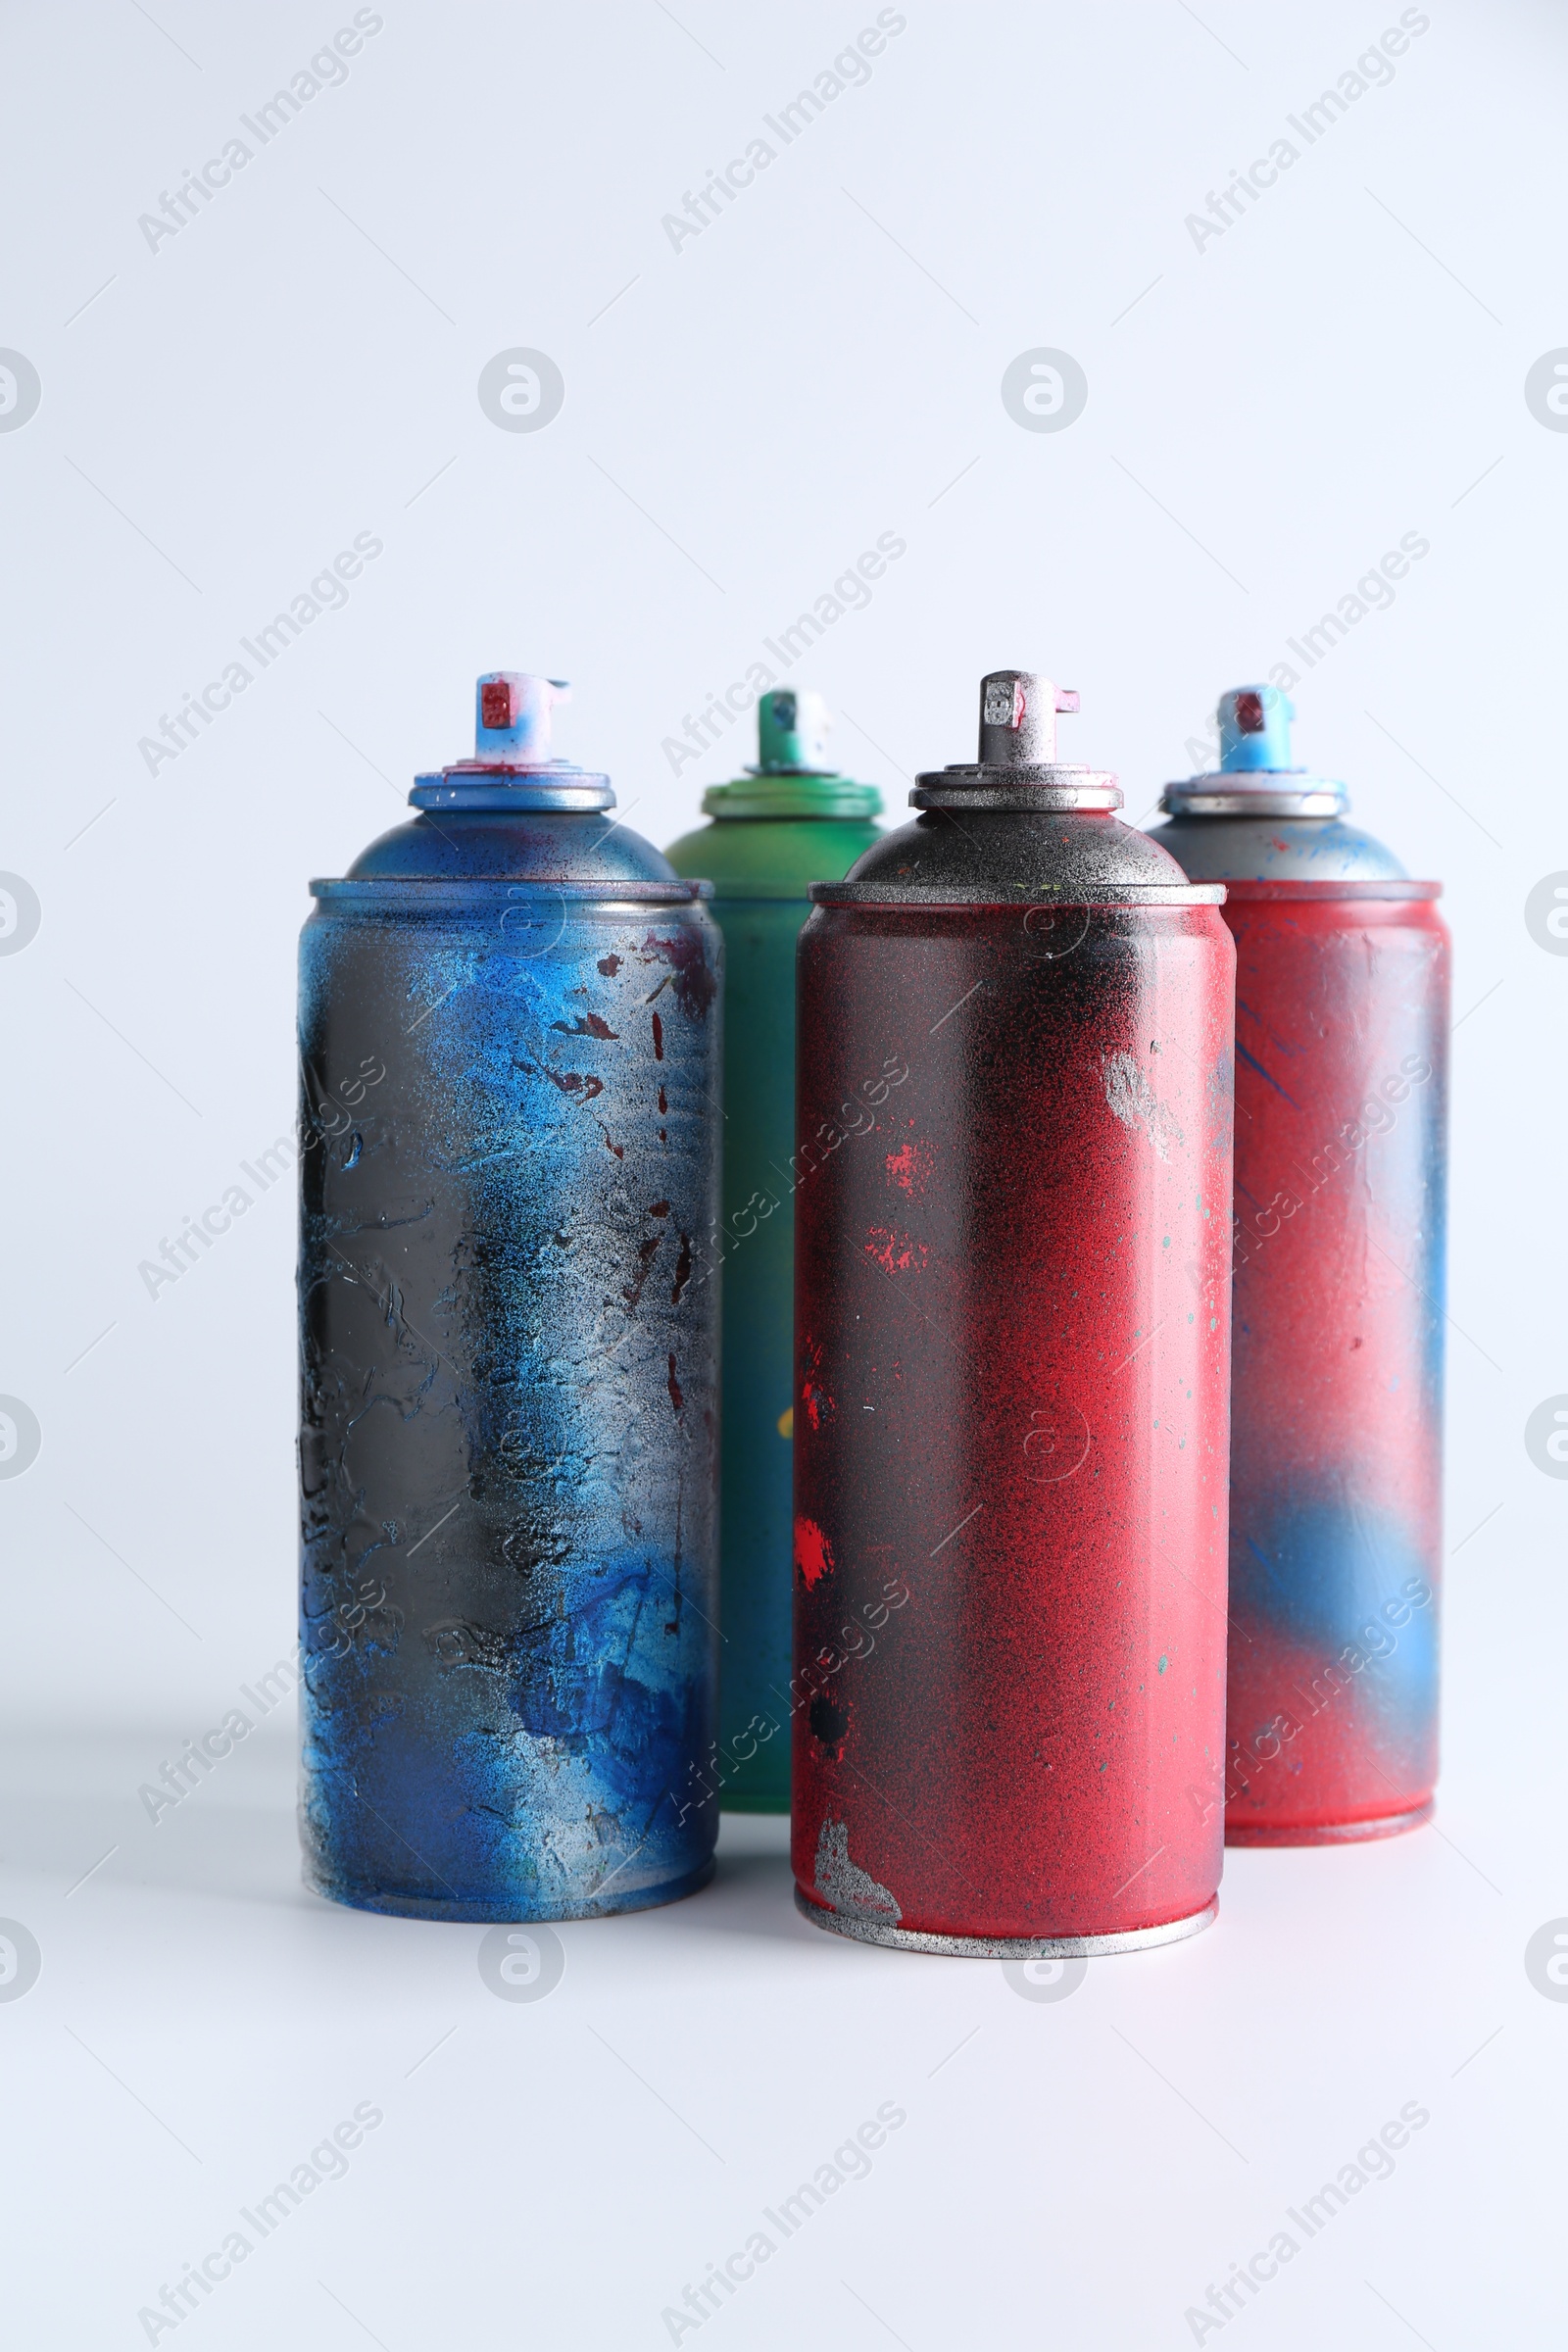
(1330, 1832)
(502, 1911)
(1004, 1947)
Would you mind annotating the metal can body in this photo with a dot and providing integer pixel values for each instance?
(1012, 1234)
(756, 1246)
(790, 821)
(509, 1374)
(1342, 1025)
(1336, 1507)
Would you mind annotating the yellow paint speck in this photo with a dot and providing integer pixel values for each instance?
(786, 1422)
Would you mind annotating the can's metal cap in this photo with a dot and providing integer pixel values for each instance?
(1017, 766)
(511, 767)
(1255, 776)
(794, 775)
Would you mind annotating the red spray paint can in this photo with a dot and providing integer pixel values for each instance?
(1342, 1027)
(1013, 1352)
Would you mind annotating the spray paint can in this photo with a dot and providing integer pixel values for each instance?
(1342, 1025)
(1012, 1223)
(791, 820)
(510, 1045)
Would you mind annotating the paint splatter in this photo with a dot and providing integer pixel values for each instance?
(1134, 1102)
(587, 1024)
(843, 1883)
(633, 1290)
(814, 1554)
(694, 984)
(571, 1082)
(894, 1252)
(829, 1720)
(910, 1165)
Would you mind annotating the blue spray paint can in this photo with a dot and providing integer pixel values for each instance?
(1335, 1522)
(510, 1039)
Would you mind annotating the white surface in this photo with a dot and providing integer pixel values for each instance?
(1343, 365)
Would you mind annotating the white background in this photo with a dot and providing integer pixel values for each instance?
(1266, 417)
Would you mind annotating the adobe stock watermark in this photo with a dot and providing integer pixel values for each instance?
(20, 1437)
(1377, 1114)
(849, 2161)
(521, 390)
(851, 70)
(1374, 592)
(1545, 1437)
(1546, 390)
(1373, 70)
(1546, 912)
(328, 2161)
(327, 70)
(1047, 1976)
(1376, 1642)
(177, 1258)
(1375, 2161)
(20, 390)
(19, 915)
(851, 592)
(20, 1960)
(326, 593)
(1043, 390)
(522, 1963)
(1546, 1959)
(199, 1755)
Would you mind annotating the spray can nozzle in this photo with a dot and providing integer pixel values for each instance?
(1255, 729)
(791, 728)
(1255, 776)
(1018, 718)
(512, 768)
(512, 718)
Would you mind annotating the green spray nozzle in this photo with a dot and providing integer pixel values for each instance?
(795, 774)
(791, 728)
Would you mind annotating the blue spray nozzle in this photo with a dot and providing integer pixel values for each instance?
(1255, 729)
(512, 716)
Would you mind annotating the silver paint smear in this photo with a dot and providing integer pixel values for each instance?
(844, 1884)
(1133, 1100)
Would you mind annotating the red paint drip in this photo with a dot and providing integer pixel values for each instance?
(659, 1039)
(814, 1554)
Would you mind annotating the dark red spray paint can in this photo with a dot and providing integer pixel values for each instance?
(1342, 1027)
(1013, 1352)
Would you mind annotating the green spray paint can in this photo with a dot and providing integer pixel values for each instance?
(791, 820)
